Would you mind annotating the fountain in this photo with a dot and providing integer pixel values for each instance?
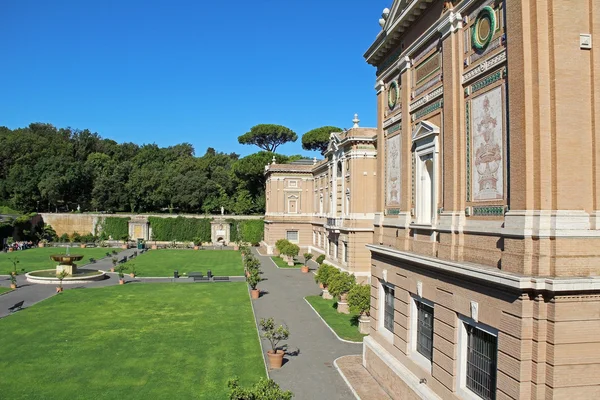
(66, 262)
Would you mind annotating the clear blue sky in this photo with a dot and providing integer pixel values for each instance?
(202, 72)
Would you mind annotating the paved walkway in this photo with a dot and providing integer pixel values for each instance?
(310, 374)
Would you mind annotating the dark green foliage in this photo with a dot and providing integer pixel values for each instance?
(318, 139)
(268, 136)
(114, 227)
(359, 299)
(180, 229)
(320, 259)
(64, 238)
(341, 283)
(252, 231)
(323, 273)
(264, 389)
(75, 237)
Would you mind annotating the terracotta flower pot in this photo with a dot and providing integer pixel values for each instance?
(132, 275)
(275, 359)
(305, 269)
(112, 269)
(236, 248)
(321, 285)
(82, 246)
(121, 281)
(13, 285)
(124, 247)
(41, 244)
(254, 293)
(154, 247)
(196, 247)
(59, 290)
(10, 249)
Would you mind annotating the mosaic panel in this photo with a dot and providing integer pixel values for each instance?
(393, 171)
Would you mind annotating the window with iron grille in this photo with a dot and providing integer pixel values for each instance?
(424, 330)
(345, 252)
(388, 308)
(481, 362)
(292, 236)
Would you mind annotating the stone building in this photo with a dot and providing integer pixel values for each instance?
(485, 249)
(322, 206)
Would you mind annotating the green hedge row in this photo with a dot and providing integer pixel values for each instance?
(247, 230)
(180, 229)
(115, 227)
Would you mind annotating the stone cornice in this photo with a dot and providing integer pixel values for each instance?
(492, 275)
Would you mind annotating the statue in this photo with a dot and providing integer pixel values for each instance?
(222, 210)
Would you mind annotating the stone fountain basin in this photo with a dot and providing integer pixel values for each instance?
(65, 259)
(48, 276)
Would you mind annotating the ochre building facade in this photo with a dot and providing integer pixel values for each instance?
(485, 249)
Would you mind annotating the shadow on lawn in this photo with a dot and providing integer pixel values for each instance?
(353, 319)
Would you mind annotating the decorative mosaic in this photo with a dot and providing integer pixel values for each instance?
(392, 211)
(394, 128)
(488, 146)
(488, 80)
(392, 183)
(429, 109)
(486, 211)
(427, 98)
(468, 126)
(484, 28)
(430, 83)
(413, 178)
(476, 11)
(484, 66)
(393, 95)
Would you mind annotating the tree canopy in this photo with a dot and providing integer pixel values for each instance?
(318, 138)
(43, 168)
(268, 136)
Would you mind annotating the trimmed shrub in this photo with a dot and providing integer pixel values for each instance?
(340, 283)
(359, 299)
(252, 231)
(320, 259)
(114, 227)
(323, 273)
(180, 229)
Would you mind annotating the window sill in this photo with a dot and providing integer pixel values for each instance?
(421, 361)
(422, 226)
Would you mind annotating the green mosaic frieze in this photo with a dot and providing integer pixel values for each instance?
(429, 109)
(468, 130)
(394, 128)
(488, 80)
(488, 211)
(392, 211)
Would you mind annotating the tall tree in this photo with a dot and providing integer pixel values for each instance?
(268, 136)
(318, 138)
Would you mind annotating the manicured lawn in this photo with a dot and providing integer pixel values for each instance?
(137, 341)
(4, 289)
(345, 325)
(164, 262)
(283, 264)
(39, 258)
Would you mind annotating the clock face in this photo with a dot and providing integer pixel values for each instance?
(393, 94)
(483, 28)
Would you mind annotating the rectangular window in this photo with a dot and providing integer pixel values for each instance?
(314, 237)
(424, 330)
(345, 252)
(388, 308)
(292, 184)
(481, 362)
(292, 236)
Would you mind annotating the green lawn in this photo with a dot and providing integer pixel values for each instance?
(137, 341)
(283, 264)
(39, 258)
(345, 325)
(4, 289)
(164, 262)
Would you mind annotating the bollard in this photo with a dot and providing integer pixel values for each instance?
(209, 274)
(176, 274)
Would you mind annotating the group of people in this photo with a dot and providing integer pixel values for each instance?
(18, 246)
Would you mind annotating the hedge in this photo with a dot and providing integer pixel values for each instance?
(114, 227)
(180, 229)
(252, 230)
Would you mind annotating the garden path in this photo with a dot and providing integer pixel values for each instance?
(310, 374)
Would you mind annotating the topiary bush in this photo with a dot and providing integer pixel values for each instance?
(252, 231)
(323, 273)
(320, 259)
(264, 389)
(180, 229)
(340, 283)
(359, 299)
(114, 227)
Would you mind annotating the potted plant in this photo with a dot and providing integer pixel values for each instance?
(13, 280)
(132, 270)
(114, 260)
(320, 259)
(197, 242)
(14, 261)
(324, 274)
(359, 301)
(154, 246)
(280, 246)
(251, 264)
(125, 239)
(263, 389)
(274, 334)
(307, 258)
(121, 270)
(10, 242)
(61, 275)
(339, 288)
(253, 280)
(291, 251)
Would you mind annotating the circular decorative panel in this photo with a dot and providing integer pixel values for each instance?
(483, 28)
(393, 95)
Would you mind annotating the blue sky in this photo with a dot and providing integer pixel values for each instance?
(202, 72)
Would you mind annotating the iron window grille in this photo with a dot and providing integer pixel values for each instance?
(292, 236)
(425, 330)
(481, 362)
(388, 309)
